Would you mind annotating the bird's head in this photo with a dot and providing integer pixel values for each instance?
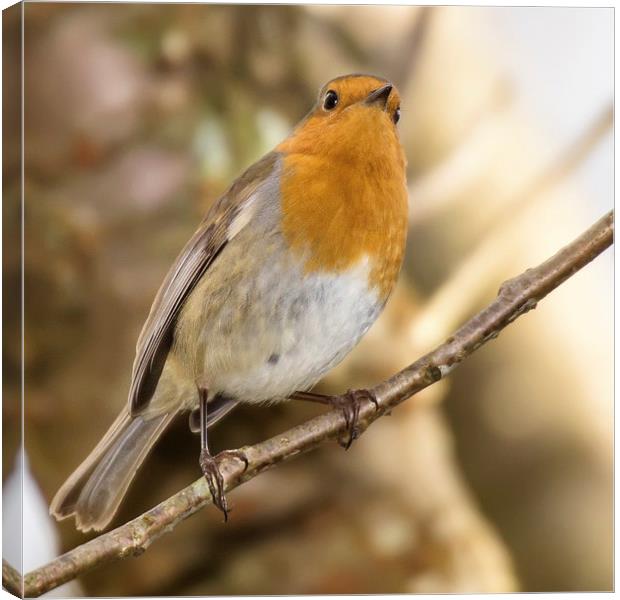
(355, 95)
(355, 116)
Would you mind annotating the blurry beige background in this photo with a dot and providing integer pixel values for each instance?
(138, 116)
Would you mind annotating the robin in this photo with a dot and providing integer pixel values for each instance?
(284, 275)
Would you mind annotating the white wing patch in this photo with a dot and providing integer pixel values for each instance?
(244, 217)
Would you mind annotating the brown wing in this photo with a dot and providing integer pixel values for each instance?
(219, 226)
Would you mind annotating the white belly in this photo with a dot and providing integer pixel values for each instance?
(314, 328)
(310, 324)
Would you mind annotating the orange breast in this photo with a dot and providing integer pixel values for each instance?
(345, 198)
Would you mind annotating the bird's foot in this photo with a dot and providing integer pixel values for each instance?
(350, 404)
(210, 466)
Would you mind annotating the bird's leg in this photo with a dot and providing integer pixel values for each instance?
(349, 403)
(311, 397)
(210, 464)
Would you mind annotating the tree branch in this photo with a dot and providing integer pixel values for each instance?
(516, 297)
(11, 579)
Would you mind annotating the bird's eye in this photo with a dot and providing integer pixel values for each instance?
(396, 116)
(331, 99)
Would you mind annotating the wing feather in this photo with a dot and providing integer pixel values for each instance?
(226, 218)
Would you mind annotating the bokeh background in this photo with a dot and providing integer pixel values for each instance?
(138, 116)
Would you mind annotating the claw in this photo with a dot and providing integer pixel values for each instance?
(211, 470)
(350, 404)
(238, 454)
(210, 466)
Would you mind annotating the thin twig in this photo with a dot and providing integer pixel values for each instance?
(11, 579)
(515, 297)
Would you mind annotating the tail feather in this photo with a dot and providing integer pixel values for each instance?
(95, 490)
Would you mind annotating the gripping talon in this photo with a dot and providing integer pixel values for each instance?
(238, 454)
(210, 466)
(215, 481)
(350, 405)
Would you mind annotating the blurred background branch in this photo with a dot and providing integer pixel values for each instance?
(441, 313)
(412, 47)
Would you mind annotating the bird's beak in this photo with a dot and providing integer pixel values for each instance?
(379, 97)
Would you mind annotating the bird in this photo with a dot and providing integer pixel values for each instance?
(284, 275)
